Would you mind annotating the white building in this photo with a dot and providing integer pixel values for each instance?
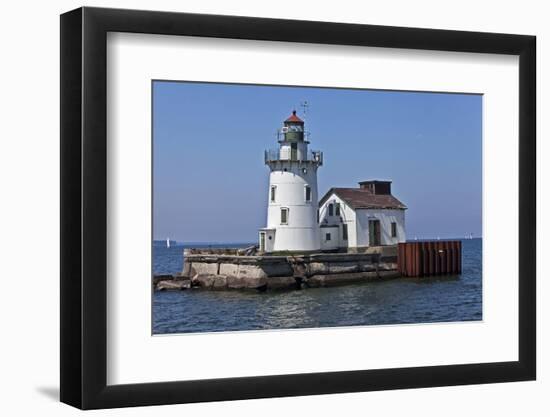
(360, 217)
(292, 223)
(344, 219)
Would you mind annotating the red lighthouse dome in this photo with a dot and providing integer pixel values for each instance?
(294, 119)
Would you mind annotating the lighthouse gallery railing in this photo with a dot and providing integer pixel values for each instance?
(274, 155)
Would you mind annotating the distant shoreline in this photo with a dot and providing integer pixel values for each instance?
(202, 244)
(162, 242)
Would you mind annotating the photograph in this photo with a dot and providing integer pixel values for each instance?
(289, 207)
(275, 208)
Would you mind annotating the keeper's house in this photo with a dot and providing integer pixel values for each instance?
(354, 218)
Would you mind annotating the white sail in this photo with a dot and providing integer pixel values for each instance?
(168, 242)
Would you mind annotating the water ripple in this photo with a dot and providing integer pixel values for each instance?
(405, 300)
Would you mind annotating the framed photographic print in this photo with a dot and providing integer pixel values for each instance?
(258, 207)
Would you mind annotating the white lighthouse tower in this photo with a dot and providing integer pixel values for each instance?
(292, 213)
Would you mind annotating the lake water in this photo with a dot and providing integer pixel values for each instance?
(403, 300)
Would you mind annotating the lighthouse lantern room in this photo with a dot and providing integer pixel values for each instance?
(292, 213)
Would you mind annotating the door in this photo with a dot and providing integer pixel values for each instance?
(374, 233)
(262, 242)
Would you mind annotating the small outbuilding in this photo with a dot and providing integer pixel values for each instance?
(354, 218)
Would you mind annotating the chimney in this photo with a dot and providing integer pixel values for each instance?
(376, 186)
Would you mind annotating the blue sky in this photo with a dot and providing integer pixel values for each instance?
(209, 178)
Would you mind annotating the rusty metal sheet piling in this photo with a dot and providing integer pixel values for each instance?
(419, 259)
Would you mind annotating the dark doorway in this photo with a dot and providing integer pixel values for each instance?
(374, 233)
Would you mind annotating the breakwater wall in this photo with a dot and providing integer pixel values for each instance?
(225, 269)
(420, 259)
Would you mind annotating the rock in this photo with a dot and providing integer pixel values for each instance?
(249, 251)
(367, 267)
(344, 257)
(204, 268)
(299, 269)
(173, 285)
(386, 266)
(277, 283)
(250, 271)
(159, 278)
(203, 280)
(236, 283)
(388, 274)
(242, 271)
(229, 269)
(246, 282)
(220, 282)
(315, 281)
(343, 267)
(370, 276)
(338, 279)
(315, 268)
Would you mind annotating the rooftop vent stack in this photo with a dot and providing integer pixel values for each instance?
(376, 186)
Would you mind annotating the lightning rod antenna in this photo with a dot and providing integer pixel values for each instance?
(304, 105)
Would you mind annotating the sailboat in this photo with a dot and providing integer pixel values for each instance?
(168, 242)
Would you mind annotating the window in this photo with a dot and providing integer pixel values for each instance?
(331, 210)
(327, 237)
(394, 229)
(284, 215)
(337, 209)
(317, 215)
(308, 193)
(345, 232)
(273, 192)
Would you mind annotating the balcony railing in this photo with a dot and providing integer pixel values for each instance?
(275, 155)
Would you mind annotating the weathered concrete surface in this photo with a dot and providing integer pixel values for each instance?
(368, 266)
(388, 274)
(209, 281)
(159, 278)
(246, 283)
(343, 267)
(276, 283)
(205, 268)
(315, 268)
(387, 266)
(173, 285)
(339, 279)
(227, 269)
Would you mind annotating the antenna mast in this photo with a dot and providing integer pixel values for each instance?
(304, 105)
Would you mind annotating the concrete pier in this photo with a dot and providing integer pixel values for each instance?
(226, 269)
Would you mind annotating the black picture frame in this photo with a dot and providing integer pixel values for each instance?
(84, 207)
